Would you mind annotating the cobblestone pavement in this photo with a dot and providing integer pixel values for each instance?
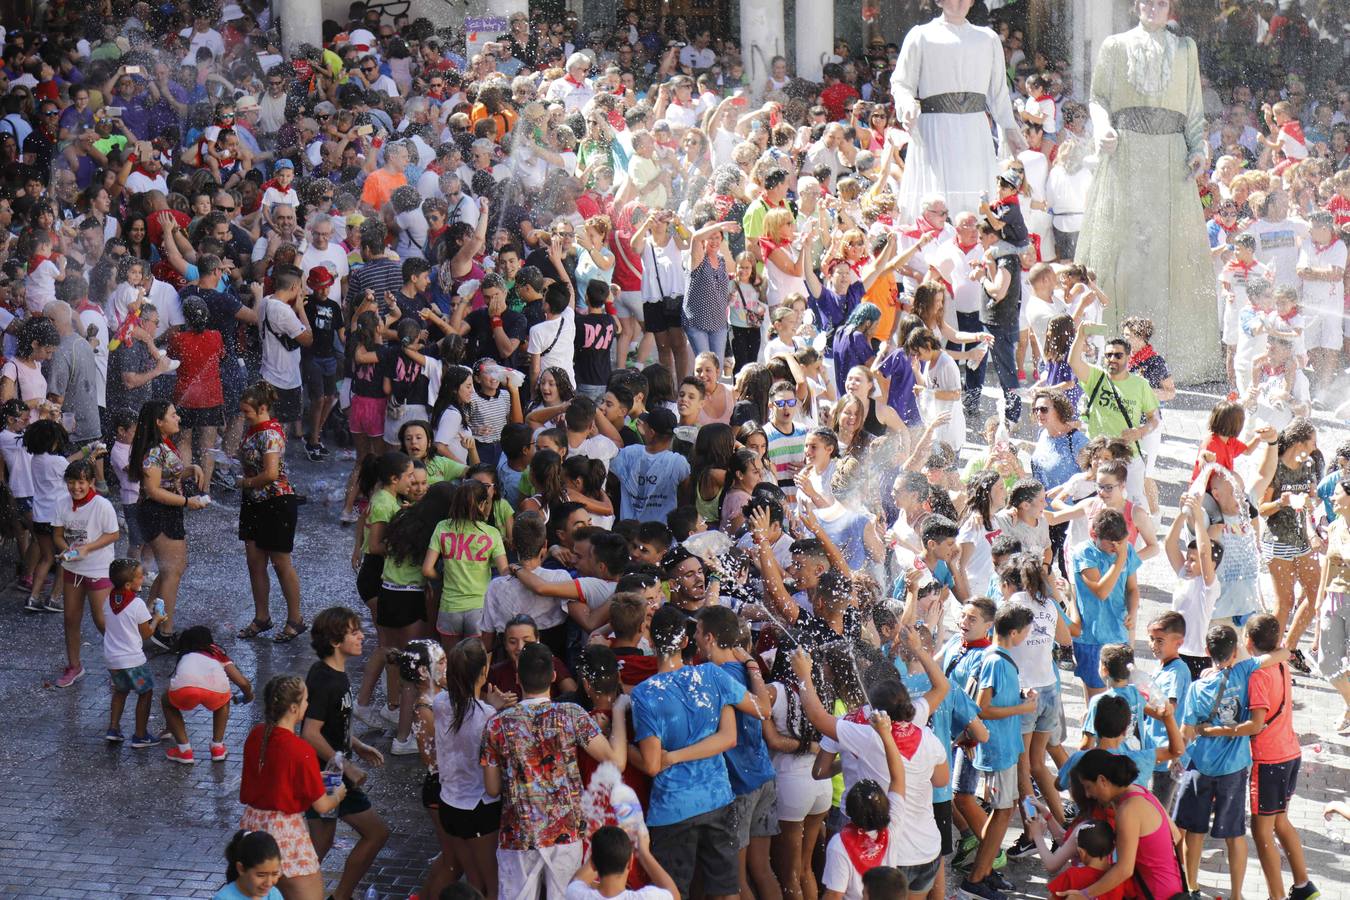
(79, 818)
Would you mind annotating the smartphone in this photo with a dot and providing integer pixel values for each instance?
(1096, 329)
(365, 129)
(1029, 808)
(133, 70)
(114, 112)
(738, 98)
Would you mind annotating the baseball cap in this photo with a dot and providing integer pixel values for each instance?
(661, 421)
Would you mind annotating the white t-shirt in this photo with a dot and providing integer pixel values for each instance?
(123, 647)
(18, 463)
(457, 752)
(412, 234)
(580, 890)
(94, 316)
(863, 756)
(507, 597)
(275, 196)
(49, 485)
(336, 259)
(1195, 601)
(138, 183)
(554, 340)
(448, 430)
(280, 367)
(980, 566)
(129, 491)
(692, 57)
(597, 446)
(1035, 656)
(85, 525)
(1323, 296)
(1277, 245)
(1039, 313)
(840, 873)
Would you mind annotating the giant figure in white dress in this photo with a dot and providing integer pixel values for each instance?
(1143, 228)
(950, 79)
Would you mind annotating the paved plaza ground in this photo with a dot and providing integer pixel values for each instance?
(79, 818)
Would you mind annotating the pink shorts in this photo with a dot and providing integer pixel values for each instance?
(89, 584)
(366, 416)
(186, 698)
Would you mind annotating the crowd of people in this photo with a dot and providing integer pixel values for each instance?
(665, 450)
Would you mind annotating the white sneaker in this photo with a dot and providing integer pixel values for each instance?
(404, 748)
(367, 713)
(389, 715)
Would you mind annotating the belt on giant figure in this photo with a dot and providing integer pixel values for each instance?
(960, 102)
(1149, 120)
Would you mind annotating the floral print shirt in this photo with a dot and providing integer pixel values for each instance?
(262, 439)
(164, 456)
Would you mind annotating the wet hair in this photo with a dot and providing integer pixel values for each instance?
(885, 883)
(417, 660)
(720, 623)
(599, 667)
(938, 528)
(1263, 630)
(197, 639)
(980, 496)
(891, 696)
(259, 395)
(79, 470)
(1112, 716)
(1170, 622)
(1004, 545)
(1116, 660)
(1226, 419)
(627, 611)
(1011, 618)
(381, 469)
(1024, 491)
(122, 570)
(1221, 643)
(611, 850)
(1109, 525)
(247, 850)
(534, 667)
(668, 629)
(867, 806)
(1097, 839)
(464, 664)
(330, 627)
(1120, 771)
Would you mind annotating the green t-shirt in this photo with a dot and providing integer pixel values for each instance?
(403, 572)
(383, 507)
(443, 468)
(467, 551)
(1103, 415)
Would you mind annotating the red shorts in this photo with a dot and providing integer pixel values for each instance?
(89, 584)
(186, 698)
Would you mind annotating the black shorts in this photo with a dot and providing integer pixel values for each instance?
(400, 608)
(288, 405)
(353, 803)
(431, 791)
(44, 528)
(368, 580)
(707, 842)
(1272, 786)
(661, 316)
(210, 417)
(270, 523)
(467, 824)
(942, 814)
(158, 519)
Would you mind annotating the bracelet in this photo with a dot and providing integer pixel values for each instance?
(496, 321)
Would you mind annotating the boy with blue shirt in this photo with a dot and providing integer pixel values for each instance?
(1108, 595)
(1002, 703)
(1218, 729)
(1114, 718)
(684, 721)
(650, 475)
(1165, 635)
(960, 658)
(718, 638)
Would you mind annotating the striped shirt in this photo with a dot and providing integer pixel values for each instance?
(787, 454)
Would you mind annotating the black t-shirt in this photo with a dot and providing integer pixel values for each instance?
(595, 337)
(407, 379)
(1003, 313)
(481, 343)
(330, 702)
(411, 307)
(366, 379)
(324, 315)
(540, 260)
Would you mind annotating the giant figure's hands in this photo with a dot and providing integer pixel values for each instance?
(1106, 144)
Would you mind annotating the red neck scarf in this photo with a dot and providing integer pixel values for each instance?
(966, 248)
(865, 851)
(36, 260)
(1141, 356)
(767, 246)
(978, 644)
(120, 600)
(921, 227)
(168, 442)
(273, 424)
(76, 504)
(572, 81)
(1322, 248)
(906, 734)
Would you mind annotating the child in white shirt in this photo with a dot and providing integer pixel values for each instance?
(84, 533)
(1197, 587)
(126, 625)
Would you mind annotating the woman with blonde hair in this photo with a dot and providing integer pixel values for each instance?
(785, 253)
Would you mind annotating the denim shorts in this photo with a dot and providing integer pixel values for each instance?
(967, 776)
(1046, 717)
(922, 876)
(1087, 664)
(137, 680)
(1218, 797)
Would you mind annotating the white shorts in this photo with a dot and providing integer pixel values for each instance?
(629, 305)
(801, 795)
(1230, 322)
(520, 872)
(1324, 330)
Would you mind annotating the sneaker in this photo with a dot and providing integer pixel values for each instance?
(405, 747)
(113, 736)
(389, 715)
(70, 675)
(1298, 663)
(164, 641)
(1309, 891)
(1070, 811)
(965, 852)
(1024, 846)
(998, 882)
(180, 756)
(1001, 860)
(348, 517)
(33, 605)
(368, 714)
(141, 741)
(982, 890)
(53, 604)
(314, 452)
(218, 752)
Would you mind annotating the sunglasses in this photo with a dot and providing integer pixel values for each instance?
(220, 208)
(369, 69)
(785, 404)
(1108, 488)
(1038, 410)
(1113, 354)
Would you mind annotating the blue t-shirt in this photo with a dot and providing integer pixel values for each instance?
(231, 892)
(1215, 756)
(1005, 735)
(748, 763)
(847, 532)
(1103, 620)
(1144, 759)
(959, 663)
(682, 708)
(953, 714)
(648, 482)
(1132, 697)
(1174, 680)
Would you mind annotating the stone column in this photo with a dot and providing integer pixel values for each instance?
(761, 39)
(301, 23)
(815, 37)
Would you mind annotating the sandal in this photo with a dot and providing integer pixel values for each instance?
(255, 628)
(292, 631)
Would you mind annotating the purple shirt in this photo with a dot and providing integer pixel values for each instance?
(851, 348)
(900, 397)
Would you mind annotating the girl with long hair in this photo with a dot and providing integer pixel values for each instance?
(415, 439)
(453, 439)
(714, 447)
(365, 417)
(469, 817)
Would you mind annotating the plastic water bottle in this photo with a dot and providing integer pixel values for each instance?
(332, 779)
(159, 606)
(627, 810)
